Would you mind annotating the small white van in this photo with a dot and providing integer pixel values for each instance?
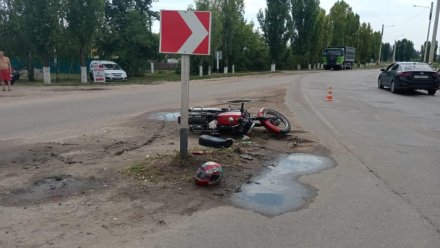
(112, 70)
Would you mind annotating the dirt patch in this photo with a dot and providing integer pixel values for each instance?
(127, 180)
(51, 188)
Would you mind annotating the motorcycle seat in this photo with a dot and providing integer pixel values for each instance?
(212, 141)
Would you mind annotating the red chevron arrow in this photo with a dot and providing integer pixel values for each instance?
(185, 32)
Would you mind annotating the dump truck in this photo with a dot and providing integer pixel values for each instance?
(340, 57)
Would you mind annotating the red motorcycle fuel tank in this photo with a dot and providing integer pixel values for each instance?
(228, 118)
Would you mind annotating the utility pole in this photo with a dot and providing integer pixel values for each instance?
(427, 37)
(434, 34)
(380, 46)
(425, 56)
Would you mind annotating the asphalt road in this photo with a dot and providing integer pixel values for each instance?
(395, 137)
(384, 191)
(69, 112)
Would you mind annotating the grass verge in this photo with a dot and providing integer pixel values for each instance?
(173, 168)
(150, 78)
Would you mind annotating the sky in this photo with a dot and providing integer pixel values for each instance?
(400, 17)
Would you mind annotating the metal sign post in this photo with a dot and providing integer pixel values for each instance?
(187, 33)
(184, 106)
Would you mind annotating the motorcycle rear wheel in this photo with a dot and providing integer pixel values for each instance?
(279, 125)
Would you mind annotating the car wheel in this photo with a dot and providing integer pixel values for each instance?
(431, 92)
(379, 83)
(393, 87)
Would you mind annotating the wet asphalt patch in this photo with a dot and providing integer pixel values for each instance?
(165, 116)
(277, 190)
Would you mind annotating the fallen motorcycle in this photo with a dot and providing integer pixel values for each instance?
(235, 121)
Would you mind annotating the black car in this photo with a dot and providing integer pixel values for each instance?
(409, 75)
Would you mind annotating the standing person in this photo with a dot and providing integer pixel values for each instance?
(5, 71)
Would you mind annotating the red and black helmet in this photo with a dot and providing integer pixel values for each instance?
(209, 173)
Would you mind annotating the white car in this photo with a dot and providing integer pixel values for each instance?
(112, 70)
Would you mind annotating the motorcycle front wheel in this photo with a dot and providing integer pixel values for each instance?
(276, 122)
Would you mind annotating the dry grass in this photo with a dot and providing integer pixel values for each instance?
(173, 168)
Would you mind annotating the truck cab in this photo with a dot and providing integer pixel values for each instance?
(338, 58)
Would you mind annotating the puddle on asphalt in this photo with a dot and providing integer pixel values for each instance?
(277, 190)
(50, 188)
(240, 100)
(165, 116)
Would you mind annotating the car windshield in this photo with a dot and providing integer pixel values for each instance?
(112, 67)
(416, 67)
(334, 52)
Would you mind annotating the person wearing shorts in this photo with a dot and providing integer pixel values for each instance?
(5, 71)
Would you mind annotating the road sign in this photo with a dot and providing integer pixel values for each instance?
(185, 32)
(98, 73)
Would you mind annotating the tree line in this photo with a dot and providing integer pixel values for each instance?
(290, 32)
(295, 32)
(42, 30)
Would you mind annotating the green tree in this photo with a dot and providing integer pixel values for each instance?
(352, 27)
(40, 23)
(344, 24)
(217, 28)
(5, 24)
(326, 34)
(305, 25)
(320, 37)
(375, 43)
(422, 51)
(233, 20)
(215, 6)
(230, 33)
(387, 52)
(126, 35)
(275, 23)
(405, 50)
(364, 43)
(252, 52)
(83, 17)
(137, 44)
(12, 38)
